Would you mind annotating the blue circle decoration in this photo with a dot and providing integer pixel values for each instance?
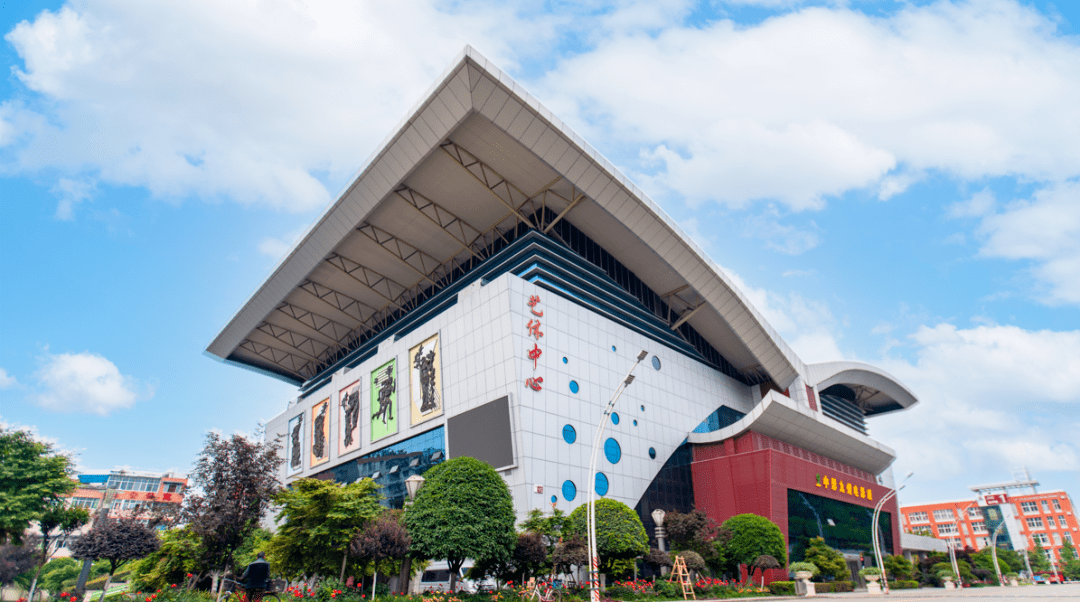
(612, 450)
(655, 362)
(635, 423)
(564, 360)
(554, 499)
(652, 453)
(569, 434)
(574, 388)
(601, 484)
(614, 418)
(569, 490)
(613, 348)
(642, 408)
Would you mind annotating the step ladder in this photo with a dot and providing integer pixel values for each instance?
(678, 570)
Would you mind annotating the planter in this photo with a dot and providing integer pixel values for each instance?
(803, 575)
(949, 583)
(872, 578)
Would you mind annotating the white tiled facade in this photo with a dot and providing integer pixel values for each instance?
(484, 345)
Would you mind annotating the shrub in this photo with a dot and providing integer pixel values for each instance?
(804, 566)
(870, 570)
(903, 585)
(782, 588)
(833, 587)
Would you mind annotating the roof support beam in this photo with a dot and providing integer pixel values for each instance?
(465, 164)
(276, 356)
(356, 271)
(337, 301)
(562, 214)
(459, 229)
(316, 325)
(405, 252)
(682, 320)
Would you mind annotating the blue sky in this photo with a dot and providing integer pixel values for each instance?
(892, 182)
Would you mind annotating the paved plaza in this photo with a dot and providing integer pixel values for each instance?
(1030, 592)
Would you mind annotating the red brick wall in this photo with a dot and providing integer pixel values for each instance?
(753, 472)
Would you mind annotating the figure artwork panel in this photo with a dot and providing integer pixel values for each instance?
(349, 419)
(384, 401)
(425, 381)
(294, 454)
(320, 432)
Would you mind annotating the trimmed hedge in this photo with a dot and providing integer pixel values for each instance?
(903, 585)
(782, 588)
(834, 587)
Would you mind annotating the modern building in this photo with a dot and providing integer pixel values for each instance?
(484, 285)
(1047, 518)
(127, 494)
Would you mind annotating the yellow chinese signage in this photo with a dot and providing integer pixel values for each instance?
(834, 484)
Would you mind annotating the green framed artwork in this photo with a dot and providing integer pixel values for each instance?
(384, 400)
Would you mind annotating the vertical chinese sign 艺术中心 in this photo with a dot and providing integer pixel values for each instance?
(349, 419)
(320, 432)
(425, 381)
(384, 400)
(295, 445)
(534, 382)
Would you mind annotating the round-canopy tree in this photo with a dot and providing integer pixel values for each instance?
(753, 536)
(619, 532)
(116, 540)
(829, 562)
(464, 510)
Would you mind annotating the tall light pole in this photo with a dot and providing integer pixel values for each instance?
(874, 531)
(412, 487)
(993, 551)
(952, 547)
(594, 558)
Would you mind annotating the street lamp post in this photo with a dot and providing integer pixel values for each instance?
(412, 487)
(594, 558)
(874, 531)
(658, 518)
(993, 551)
(952, 546)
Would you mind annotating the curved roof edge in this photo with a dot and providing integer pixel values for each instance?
(780, 417)
(887, 393)
(599, 180)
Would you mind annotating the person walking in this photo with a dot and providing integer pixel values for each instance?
(255, 577)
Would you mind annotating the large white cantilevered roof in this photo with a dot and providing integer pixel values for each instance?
(478, 158)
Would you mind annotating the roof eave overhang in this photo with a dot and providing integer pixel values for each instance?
(780, 417)
(474, 86)
(827, 374)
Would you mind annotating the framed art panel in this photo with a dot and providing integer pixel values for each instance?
(320, 432)
(349, 419)
(384, 400)
(425, 381)
(294, 454)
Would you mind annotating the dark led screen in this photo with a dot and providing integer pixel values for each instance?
(845, 527)
(483, 433)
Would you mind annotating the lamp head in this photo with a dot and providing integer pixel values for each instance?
(629, 379)
(412, 485)
(642, 355)
(658, 517)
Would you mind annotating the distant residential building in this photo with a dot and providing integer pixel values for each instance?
(141, 495)
(1048, 518)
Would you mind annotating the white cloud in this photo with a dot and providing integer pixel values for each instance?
(6, 380)
(240, 100)
(276, 248)
(1045, 230)
(981, 203)
(785, 238)
(86, 383)
(71, 193)
(824, 100)
(992, 398)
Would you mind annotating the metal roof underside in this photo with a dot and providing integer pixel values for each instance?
(876, 391)
(478, 157)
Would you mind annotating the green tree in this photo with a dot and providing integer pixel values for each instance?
(899, 568)
(752, 536)
(55, 521)
(180, 554)
(318, 519)
(56, 573)
(1070, 564)
(464, 510)
(830, 562)
(236, 479)
(1037, 558)
(619, 532)
(32, 476)
(549, 527)
(117, 541)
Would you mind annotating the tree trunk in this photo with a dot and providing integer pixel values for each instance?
(344, 559)
(406, 570)
(374, 580)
